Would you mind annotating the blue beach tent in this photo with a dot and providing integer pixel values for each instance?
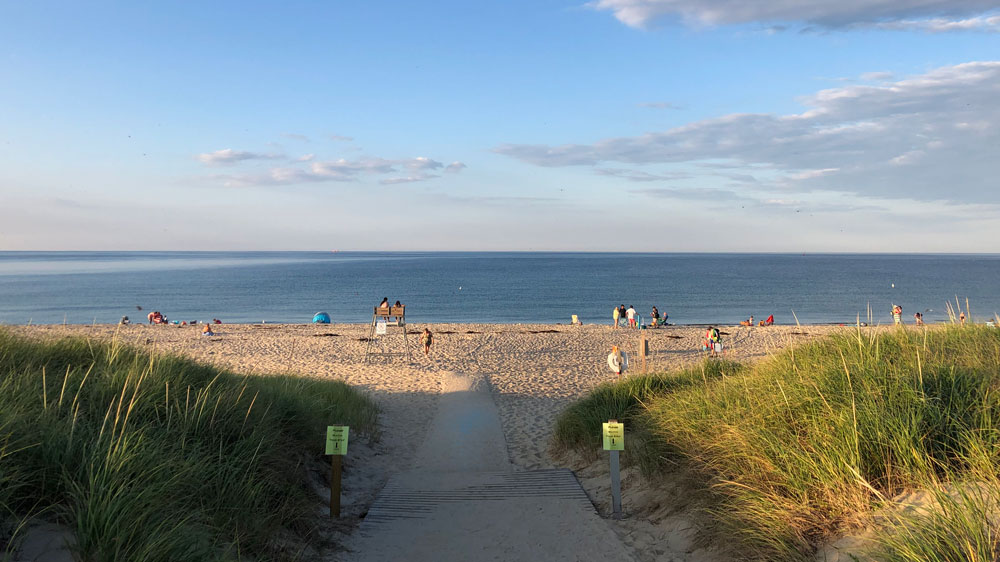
(321, 318)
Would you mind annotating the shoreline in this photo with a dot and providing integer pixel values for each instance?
(850, 324)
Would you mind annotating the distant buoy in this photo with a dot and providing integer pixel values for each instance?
(893, 285)
(459, 287)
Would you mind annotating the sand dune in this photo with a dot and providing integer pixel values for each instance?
(534, 372)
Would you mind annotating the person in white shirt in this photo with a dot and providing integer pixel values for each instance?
(630, 314)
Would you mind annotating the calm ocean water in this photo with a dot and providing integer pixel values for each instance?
(83, 287)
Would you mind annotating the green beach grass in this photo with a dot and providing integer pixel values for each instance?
(158, 458)
(801, 446)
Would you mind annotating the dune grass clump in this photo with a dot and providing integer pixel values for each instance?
(957, 524)
(158, 458)
(579, 426)
(797, 447)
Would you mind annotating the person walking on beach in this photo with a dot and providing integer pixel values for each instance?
(630, 314)
(616, 314)
(426, 339)
(961, 318)
(897, 314)
(919, 318)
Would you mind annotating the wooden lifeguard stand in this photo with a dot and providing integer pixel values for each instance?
(377, 340)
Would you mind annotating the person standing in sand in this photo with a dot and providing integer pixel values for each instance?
(616, 314)
(426, 339)
(630, 314)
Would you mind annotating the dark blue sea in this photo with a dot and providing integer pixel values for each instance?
(85, 287)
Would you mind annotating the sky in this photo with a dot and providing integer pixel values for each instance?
(611, 125)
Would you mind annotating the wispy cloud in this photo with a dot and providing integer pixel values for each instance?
(923, 15)
(876, 76)
(639, 175)
(455, 167)
(228, 156)
(295, 136)
(340, 138)
(990, 24)
(915, 137)
(306, 158)
(407, 179)
(340, 170)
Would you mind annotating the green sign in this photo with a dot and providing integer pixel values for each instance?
(614, 436)
(336, 439)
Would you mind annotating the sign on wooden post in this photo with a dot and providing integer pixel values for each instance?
(336, 445)
(614, 441)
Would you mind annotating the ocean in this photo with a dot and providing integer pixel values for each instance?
(289, 287)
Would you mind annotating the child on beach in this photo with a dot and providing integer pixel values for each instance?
(615, 314)
(426, 339)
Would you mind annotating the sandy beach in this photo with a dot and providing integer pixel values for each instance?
(533, 371)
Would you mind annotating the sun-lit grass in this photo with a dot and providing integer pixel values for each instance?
(796, 447)
(158, 458)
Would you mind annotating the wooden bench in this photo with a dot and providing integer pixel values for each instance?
(397, 311)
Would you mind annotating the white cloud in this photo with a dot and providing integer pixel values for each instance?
(340, 170)
(941, 25)
(422, 163)
(407, 179)
(876, 76)
(228, 156)
(455, 167)
(943, 125)
(306, 158)
(810, 174)
(927, 15)
(341, 138)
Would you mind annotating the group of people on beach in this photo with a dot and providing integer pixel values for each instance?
(749, 321)
(633, 319)
(918, 317)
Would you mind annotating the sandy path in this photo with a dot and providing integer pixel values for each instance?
(462, 501)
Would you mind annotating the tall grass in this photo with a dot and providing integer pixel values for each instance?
(798, 446)
(158, 458)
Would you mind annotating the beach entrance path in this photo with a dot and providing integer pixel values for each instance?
(462, 500)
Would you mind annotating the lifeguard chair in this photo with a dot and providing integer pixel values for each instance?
(386, 322)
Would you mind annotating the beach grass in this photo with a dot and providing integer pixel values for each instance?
(145, 456)
(800, 447)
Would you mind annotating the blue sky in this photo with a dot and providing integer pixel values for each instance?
(636, 125)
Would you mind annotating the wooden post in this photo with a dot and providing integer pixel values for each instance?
(335, 485)
(643, 351)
